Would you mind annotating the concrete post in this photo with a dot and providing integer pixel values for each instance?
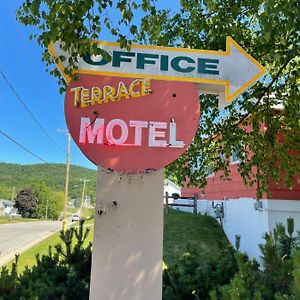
(128, 237)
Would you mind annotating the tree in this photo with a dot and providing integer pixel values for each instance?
(26, 203)
(57, 204)
(49, 203)
(5, 192)
(77, 23)
(268, 30)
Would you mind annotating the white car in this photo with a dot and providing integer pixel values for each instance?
(75, 218)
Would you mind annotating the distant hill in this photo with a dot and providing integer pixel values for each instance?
(54, 175)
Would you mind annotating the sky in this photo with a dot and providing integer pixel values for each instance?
(25, 73)
(20, 63)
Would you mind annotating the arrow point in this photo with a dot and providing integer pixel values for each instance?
(248, 70)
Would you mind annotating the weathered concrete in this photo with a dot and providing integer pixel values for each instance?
(128, 237)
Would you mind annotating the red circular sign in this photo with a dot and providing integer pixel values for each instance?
(131, 125)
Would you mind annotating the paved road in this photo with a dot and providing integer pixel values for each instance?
(16, 238)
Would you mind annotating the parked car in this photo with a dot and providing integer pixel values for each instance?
(75, 218)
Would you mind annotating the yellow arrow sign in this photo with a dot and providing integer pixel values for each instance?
(217, 72)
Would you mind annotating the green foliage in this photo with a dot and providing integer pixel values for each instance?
(77, 23)
(8, 279)
(269, 31)
(5, 192)
(56, 204)
(64, 273)
(279, 277)
(49, 204)
(203, 234)
(53, 175)
(296, 275)
(197, 254)
(26, 203)
(39, 202)
(191, 278)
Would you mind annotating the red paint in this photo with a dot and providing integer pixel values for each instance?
(168, 100)
(279, 191)
(218, 189)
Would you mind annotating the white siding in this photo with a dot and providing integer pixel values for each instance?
(241, 218)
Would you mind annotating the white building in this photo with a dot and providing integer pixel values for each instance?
(241, 213)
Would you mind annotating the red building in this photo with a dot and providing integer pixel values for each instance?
(241, 212)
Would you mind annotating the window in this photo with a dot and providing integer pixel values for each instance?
(235, 156)
(200, 164)
(209, 172)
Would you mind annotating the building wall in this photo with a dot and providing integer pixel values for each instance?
(241, 217)
(280, 210)
(171, 187)
(279, 191)
(217, 188)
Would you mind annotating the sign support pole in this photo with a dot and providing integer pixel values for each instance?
(128, 237)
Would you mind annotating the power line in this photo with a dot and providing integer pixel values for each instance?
(21, 146)
(28, 110)
(35, 119)
(53, 165)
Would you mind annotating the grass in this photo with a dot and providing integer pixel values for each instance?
(72, 210)
(28, 258)
(8, 220)
(202, 232)
(89, 221)
(86, 212)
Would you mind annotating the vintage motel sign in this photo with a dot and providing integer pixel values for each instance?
(140, 110)
(131, 125)
(227, 73)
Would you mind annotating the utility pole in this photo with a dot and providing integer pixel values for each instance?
(82, 198)
(64, 224)
(46, 214)
(13, 193)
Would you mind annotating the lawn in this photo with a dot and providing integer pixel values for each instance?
(86, 212)
(72, 211)
(202, 232)
(9, 220)
(28, 258)
(89, 222)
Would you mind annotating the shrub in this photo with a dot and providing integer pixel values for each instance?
(190, 278)
(62, 274)
(279, 276)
